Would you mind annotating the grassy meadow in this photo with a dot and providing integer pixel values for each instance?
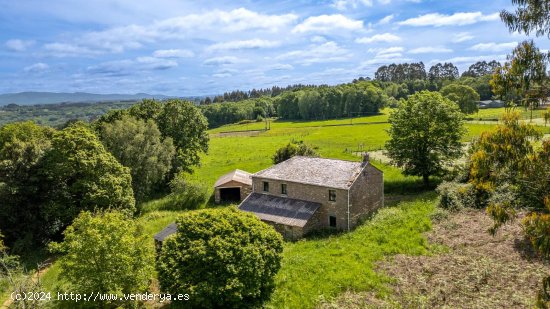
(318, 269)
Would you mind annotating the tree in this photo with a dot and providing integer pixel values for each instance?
(481, 68)
(523, 76)
(105, 253)
(223, 258)
(530, 16)
(22, 147)
(138, 144)
(425, 134)
(466, 97)
(147, 109)
(186, 125)
(293, 149)
(78, 174)
(446, 71)
(498, 159)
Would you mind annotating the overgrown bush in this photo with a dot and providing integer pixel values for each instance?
(294, 148)
(455, 196)
(223, 258)
(187, 193)
(105, 253)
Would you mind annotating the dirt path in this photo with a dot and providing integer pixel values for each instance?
(37, 275)
(476, 270)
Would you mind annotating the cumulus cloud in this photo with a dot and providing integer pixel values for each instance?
(462, 37)
(214, 23)
(386, 20)
(18, 45)
(384, 37)
(130, 66)
(246, 44)
(222, 60)
(326, 52)
(173, 53)
(456, 19)
(494, 47)
(430, 50)
(37, 67)
(328, 23)
(353, 4)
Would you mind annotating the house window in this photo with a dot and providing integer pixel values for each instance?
(332, 221)
(332, 195)
(283, 188)
(266, 186)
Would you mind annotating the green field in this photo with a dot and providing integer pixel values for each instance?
(321, 268)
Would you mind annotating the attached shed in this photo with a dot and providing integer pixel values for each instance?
(162, 235)
(292, 218)
(233, 187)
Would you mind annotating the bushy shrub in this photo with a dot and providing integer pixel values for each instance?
(105, 253)
(187, 193)
(223, 258)
(455, 196)
(537, 227)
(294, 148)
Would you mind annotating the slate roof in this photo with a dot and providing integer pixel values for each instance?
(316, 171)
(236, 175)
(167, 231)
(280, 210)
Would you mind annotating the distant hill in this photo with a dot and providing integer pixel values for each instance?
(32, 98)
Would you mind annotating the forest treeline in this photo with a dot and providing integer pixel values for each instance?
(363, 96)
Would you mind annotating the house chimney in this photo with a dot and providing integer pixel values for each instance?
(366, 159)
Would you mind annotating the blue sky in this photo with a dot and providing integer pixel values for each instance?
(183, 48)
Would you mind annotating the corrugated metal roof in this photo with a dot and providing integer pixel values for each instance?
(167, 231)
(280, 210)
(317, 171)
(236, 175)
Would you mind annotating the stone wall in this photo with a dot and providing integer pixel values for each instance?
(311, 193)
(367, 194)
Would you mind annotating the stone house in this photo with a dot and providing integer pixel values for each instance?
(304, 194)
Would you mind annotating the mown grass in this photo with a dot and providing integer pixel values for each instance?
(320, 269)
(496, 113)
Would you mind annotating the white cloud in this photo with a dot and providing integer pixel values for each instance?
(173, 53)
(18, 45)
(472, 59)
(328, 23)
(128, 66)
(205, 25)
(318, 39)
(384, 37)
(430, 49)
(462, 37)
(222, 60)
(456, 19)
(68, 50)
(246, 44)
(389, 50)
(326, 52)
(353, 4)
(494, 47)
(386, 20)
(37, 67)
(345, 4)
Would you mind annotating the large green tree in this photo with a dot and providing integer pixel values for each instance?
(138, 144)
(186, 125)
(223, 258)
(465, 96)
(105, 253)
(425, 134)
(22, 147)
(78, 174)
(293, 149)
